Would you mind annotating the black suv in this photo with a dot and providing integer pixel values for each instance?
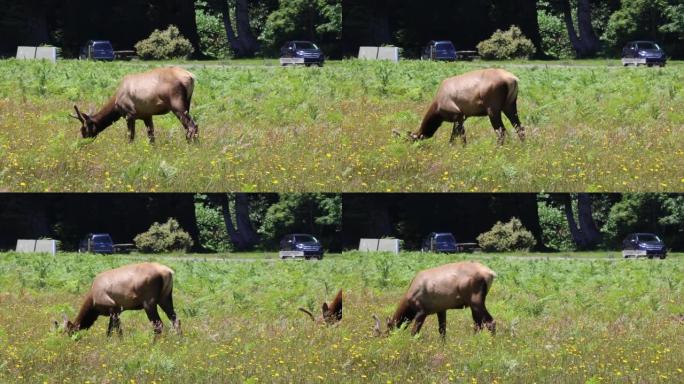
(643, 52)
(307, 245)
(301, 52)
(645, 243)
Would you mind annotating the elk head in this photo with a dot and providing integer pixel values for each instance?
(88, 127)
(331, 314)
(409, 136)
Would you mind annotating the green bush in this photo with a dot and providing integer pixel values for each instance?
(555, 229)
(212, 33)
(212, 229)
(554, 34)
(511, 236)
(511, 44)
(167, 237)
(164, 45)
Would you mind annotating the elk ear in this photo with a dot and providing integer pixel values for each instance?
(325, 308)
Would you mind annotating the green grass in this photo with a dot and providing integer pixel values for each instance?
(573, 321)
(591, 127)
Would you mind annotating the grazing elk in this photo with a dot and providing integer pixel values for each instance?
(332, 313)
(135, 286)
(486, 92)
(141, 96)
(456, 285)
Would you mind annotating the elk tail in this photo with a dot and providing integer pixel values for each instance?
(308, 313)
(512, 96)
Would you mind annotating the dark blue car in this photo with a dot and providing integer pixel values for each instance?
(302, 245)
(97, 50)
(439, 50)
(647, 244)
(301, 52)
(440, 242)
(97, 243)
(643, 53)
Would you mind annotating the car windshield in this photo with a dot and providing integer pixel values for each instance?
(305, 45)
(648, 238)
(445, 46)
(102, 239)
(647, 45)
(103, 46)
(305, 239)
(445, 239)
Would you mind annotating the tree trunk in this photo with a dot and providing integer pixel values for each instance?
(586, 220)
(235, 45)
(244, 30)
(585, 44)
(244, 223)
(576, 233)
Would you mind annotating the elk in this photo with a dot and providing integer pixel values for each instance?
(435, 290)
(141, 96)
(331, 314)
(485, 92)
(131, 287)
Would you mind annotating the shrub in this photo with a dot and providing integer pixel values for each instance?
(554, 35)
(511, 44)
(213, 40)
(511, 236)
(164, 45)
(167, 237)
(212, 228)
(555, 229)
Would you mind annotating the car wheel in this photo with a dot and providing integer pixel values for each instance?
(319, 257)
(662, 257)
(650, 256)
(307, 257)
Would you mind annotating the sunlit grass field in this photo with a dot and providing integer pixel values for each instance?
(571, 321)
(591, 126)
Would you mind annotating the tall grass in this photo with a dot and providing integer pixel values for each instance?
(558, 320)
(590, 127)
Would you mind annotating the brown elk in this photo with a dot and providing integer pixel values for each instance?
(141, 96)
(331, 313)
(486, 92)
(131, 287)
(435, 290)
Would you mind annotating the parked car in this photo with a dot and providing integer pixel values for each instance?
(300, 245)
(301, 52)
(643, 52)
(439, 50)
(647, 244)
(97, 243)
(97, 50)
(444, 242)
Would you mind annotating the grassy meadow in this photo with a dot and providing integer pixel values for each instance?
(559, 320)
(590, 126)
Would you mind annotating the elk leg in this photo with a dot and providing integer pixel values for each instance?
(497, 124)
(114, 323)
(458, 130)
(512, 115)
(418, 324)
(441, 318)
(131, 129)
(153, 316)
(150, 128)
(166, 305)
(191, 130)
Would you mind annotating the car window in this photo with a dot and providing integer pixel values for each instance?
(445, 238)
(305, 239)
(647, 45)
(102, 239)
(447, 46)
(648, 237)
(103, 46)
(305, 45)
